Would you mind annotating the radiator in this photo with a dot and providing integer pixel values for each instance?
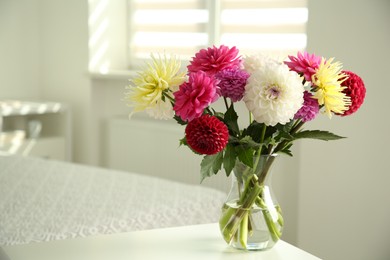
(151, 147)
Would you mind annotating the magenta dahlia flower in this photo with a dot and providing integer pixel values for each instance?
(195, 95)
(310, 108)
(212, 60)
(207, 135)
(232, 83)
(304, 64)
(355, 89)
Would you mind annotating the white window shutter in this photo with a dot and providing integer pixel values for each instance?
(277, 27)
(170, 26)
(182, 27)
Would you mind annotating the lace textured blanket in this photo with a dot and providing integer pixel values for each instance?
(43, 200)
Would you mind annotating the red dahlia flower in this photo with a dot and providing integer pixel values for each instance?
(212, 60)
(207, 135)
(355, 89)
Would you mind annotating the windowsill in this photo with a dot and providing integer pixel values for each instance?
(113, 74)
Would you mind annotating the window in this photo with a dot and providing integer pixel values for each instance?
(277, 27)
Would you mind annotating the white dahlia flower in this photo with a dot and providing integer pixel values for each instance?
(253, 62)
(273, 93)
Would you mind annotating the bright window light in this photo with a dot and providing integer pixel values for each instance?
(184, 26)
(169, 39)
(170, 16)
(268, 16)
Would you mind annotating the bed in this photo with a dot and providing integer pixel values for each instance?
(44, 200)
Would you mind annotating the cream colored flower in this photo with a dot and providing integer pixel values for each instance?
(161, 110)
(254, 62)
(161, 77)
(273, 93)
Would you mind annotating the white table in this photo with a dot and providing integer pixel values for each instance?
(184, 243)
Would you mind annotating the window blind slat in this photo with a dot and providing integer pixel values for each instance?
(271, 26)
(182, 27)
(243, 4)
(168, 5)
(270, 29)
(171, 28)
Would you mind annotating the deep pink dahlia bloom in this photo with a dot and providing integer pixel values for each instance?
(310, 108)
(355, 89)
(304, 64)
(232, 83)
(207, 135)
(195, 95)
(212, 60)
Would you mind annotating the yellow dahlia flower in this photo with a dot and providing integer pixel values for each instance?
(147, 90)
(327, 86)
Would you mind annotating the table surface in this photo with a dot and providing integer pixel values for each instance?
(189, 242)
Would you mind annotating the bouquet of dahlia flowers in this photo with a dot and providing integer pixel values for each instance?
(280, 98)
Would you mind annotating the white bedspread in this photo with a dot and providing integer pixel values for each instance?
(42, 200)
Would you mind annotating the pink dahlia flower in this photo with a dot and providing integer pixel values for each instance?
(310, 108)
(355, 89)
(305, 64)
(232, 83)
(207, 134)
(195, 95)
(212, 60)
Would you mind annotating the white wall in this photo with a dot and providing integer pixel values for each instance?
(343, 202)
(20, 46)
(65, 59)
(44, 55)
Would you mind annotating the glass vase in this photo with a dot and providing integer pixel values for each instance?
(251, 217)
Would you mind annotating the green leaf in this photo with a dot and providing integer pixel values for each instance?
(229, 160)
(248, 142)
(179, 120)
(282, 135)
(231, 121)
(210, 165)
(219, 115)
(317, 134)
(286, 149)
(283, 132)
(254, 131)
(183, 141)
(245, 155)
(286, 127)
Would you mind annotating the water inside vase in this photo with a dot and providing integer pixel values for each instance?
(259, 236)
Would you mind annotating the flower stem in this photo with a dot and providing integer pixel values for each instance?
(244, 229)
(296, 126)
(260, 149)
(166, 95)
(274, 230)
(280, 217)
(208, 111)
(233, 217)
(266, 168)
(226, 103)
(294, 129)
